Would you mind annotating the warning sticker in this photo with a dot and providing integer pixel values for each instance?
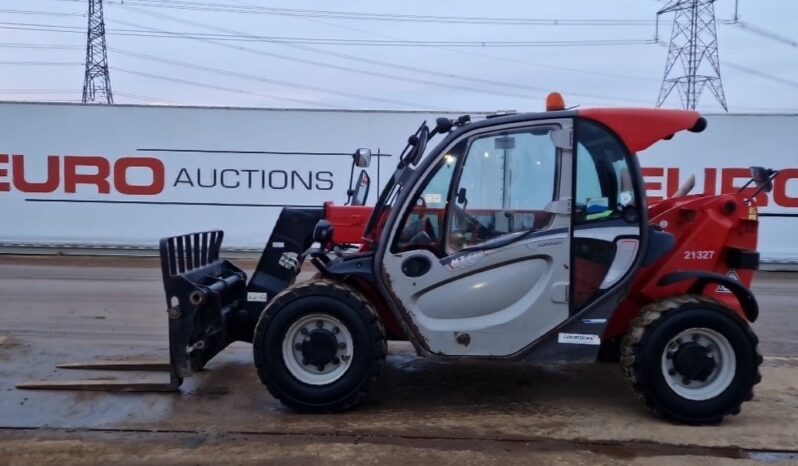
(733, 275)
(578, 339)
(257, 297)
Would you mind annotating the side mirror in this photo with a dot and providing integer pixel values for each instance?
(362, 158)
(763, 178)
(361, 193)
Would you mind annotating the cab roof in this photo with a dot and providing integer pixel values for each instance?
(638, 128)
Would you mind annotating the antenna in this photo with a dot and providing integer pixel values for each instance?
(96, 82)
(694, 44)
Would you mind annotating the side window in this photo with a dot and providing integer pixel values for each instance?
(506, 182)
(603, 181)
(422, 227)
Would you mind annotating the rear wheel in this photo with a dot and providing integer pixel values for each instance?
(691, 359)
(319, 346)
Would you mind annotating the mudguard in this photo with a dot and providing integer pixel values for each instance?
(702, 279)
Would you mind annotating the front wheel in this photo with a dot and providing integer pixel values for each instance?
(691, 359)
(319, 346)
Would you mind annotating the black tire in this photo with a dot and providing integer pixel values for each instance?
(341, 302)
(642, 352)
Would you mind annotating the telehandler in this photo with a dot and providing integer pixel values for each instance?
(519, 237)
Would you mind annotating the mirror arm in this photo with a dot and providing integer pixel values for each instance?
(350, 192)
(764, 185)
(745, 186)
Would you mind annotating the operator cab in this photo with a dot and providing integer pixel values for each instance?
(514, 221)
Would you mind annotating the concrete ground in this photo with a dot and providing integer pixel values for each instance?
(55, 310)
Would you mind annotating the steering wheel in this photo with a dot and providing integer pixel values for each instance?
(470, 223)
(429, 229)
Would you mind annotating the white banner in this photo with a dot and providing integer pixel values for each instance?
(129, 175)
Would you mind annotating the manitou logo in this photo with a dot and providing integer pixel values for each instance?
(66, 173)
(664, 182)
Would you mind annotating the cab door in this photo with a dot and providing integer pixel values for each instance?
(479, 261)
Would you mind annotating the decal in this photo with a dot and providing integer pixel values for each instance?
(289, 260)
(257, 297)
(578, 339)
(733, 275)
(466, 260)
(704, 255)
(278, 244)
(543, 244)
(432, 198)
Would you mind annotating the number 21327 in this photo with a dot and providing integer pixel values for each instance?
(699, 255)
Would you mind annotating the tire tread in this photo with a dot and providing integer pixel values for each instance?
(631, 346)
(367, 312)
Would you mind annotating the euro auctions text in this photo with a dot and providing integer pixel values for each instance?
(143, 176)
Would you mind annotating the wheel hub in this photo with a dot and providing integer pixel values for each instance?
(319, 347)
(698, 363)
(694, 362)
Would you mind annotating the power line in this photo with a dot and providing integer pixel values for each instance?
(39, 91)
(356, 71)
(72, 91)
(269, 80)
(477, 54)
(146, 98)
(767, 33)
(48, 101)
(262, 79)
(28, 45)
(223, 88)
(393, 17)
(757, 73)
(434, 73)
(377, 62)
(41, 63)
(761, 74)
(266, 80)
(754, 72)
(331, 41)
(40, 13)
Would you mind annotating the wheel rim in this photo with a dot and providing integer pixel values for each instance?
(699, 364)
(317, 349)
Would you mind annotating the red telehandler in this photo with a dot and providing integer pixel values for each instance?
(518, 237)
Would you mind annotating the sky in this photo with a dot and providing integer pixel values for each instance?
(253, 57)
